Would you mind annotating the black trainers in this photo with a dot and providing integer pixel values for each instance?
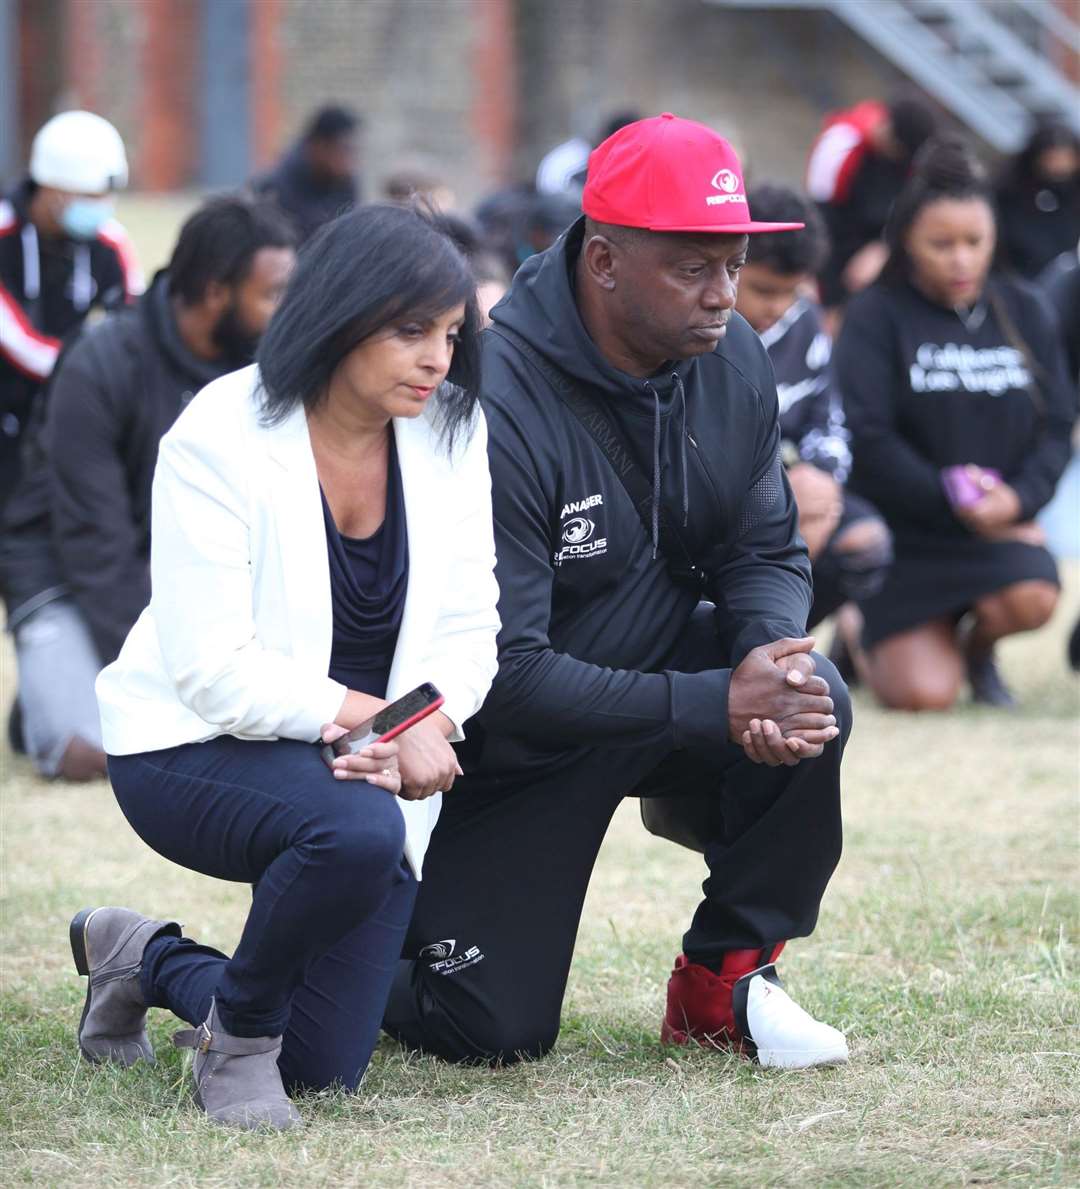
(988, 687)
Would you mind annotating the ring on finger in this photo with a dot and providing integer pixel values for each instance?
(388, 772)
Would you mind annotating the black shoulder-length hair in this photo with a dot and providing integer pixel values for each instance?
(375, 267)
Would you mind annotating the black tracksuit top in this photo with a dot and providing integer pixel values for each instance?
(589, 616)
(47, 288)
(307, 202)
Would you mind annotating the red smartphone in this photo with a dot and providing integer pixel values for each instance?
(390, 722)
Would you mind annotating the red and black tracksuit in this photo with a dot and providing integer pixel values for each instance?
(854, 187)
(47, 288)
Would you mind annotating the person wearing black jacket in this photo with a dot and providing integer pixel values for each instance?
(625, 666)
(1060, 281)
(1038, 198)
(961, 413)
(75, 550)
(316, 179)
(62, 255)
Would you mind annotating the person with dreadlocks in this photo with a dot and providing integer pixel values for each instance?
(960, 410)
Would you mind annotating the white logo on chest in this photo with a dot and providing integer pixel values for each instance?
(578, 533)
(953, 367)
(577, 530)
(590, 501)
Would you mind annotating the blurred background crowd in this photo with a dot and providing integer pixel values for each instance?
(933, 153)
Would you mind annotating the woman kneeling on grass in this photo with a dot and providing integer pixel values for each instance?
(322, 541)
(960, 411)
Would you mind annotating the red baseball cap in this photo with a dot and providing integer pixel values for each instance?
(670, 174)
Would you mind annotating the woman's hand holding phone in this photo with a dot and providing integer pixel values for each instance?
(998, 509)
(428, 762)
(421, 762)
(356, 709)
(377, 763)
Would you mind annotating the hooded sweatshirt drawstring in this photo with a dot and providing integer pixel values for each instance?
(655, 470)
(682, 447)
(677, 379)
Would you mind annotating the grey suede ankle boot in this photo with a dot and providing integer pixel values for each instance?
(107, 945)
(237, 1081)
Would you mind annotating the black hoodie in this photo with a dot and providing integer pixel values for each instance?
(926, 387)
(47, 288)
(79, 521)
(307, 200)
(590, 613)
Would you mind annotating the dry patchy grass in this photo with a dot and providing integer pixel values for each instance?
(945, 950)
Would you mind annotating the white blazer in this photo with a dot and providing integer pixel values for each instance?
(237, 637)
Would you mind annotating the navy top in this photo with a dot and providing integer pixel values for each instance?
(368, 577)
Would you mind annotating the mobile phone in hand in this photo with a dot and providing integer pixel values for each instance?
(961, 489)
(387, 724)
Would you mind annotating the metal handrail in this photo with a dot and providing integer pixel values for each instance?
(1053, 21)
(1000, 115)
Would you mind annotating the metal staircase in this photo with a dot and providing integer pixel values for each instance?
(992, 63)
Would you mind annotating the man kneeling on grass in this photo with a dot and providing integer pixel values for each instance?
(654, 595)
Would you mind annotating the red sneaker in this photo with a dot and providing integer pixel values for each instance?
(746, 1009)
(700, 1003)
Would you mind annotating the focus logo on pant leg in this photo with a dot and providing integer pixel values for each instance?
(439, 949)
(441, 957)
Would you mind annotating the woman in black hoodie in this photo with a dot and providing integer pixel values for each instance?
(960, 410)
(1038, 198)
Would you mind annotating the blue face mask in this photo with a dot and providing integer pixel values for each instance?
(83, 218)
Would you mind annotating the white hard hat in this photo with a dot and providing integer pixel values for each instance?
(79, 152)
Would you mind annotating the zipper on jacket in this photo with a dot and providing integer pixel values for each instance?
(704, 467)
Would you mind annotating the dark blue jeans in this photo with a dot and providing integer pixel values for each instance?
(332, 896)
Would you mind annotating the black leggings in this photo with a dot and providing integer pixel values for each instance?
(489, 948)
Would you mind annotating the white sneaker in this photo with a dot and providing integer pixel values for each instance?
(777, 1030)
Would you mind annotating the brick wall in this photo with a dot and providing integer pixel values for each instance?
(136, 64)
(406, 66)
(477, 88)
(764, 79)
(410, 66)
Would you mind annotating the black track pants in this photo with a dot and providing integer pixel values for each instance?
(489, 948)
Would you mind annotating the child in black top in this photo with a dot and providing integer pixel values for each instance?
(960, 411)
(848, 542)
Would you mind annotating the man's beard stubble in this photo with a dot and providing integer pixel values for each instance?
(235, 342)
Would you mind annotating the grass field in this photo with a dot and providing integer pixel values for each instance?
(946, 950)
